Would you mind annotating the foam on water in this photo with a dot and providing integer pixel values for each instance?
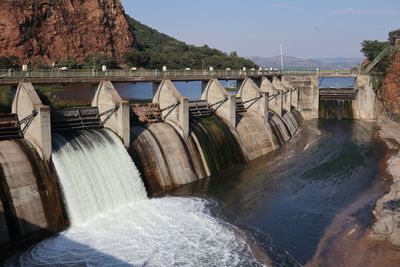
(159, 232)
(114, 224)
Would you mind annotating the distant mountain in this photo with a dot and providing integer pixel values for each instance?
(299, 63)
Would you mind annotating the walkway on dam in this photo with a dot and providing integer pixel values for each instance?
(13, 77)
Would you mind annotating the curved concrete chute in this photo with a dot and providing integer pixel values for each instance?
(25, 103)
(116, 110)
(221, 102)
(174, 107)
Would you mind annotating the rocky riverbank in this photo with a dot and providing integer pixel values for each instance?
(387, 210)
(367, 233)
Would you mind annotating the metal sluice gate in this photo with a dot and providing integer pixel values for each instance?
(79, 118)
(9, 127)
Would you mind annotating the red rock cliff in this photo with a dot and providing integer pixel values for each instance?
(49, 30)
(391, 87)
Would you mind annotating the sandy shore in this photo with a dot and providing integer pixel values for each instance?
(358, 238)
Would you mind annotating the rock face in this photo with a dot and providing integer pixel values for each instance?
(391, 88)
(49, 30)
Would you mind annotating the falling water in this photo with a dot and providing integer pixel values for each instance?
(335, 109)
(115, 224)
(105, 182)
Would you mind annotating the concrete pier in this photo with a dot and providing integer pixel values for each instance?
(107, 98)
(224, 103)
(257, 100)
(38, 133)
(174, 107)
(286, 93)
(308, 93)
(276, 101)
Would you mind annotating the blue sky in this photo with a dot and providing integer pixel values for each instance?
(305, 28)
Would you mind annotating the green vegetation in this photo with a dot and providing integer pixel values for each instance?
(373, 49)
(94, 61)
(155, 50)
(9, 62)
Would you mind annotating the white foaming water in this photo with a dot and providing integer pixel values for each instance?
(96, 173)
(114, 224)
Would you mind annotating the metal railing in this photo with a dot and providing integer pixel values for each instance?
(158, 74)
(40, 73)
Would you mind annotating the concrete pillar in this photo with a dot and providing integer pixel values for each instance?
(106, 98)
(184, 116)
(276, 103)
(175, 107)
(286, 99)
(307, 94)
(366, 105)
(215, 93)
(295, 98)
(266, 86)
(39, 132)
(249, 91)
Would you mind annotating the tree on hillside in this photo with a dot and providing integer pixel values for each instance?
(371, 49)
(96, 61)
(155, 50)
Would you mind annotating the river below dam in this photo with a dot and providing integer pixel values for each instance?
(289, 198)
(273, 211)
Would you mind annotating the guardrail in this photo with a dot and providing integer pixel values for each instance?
(54, 74)
(131, 74)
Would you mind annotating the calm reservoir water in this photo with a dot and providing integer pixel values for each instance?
(293, 194)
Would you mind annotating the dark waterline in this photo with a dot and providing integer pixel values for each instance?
(293, 194)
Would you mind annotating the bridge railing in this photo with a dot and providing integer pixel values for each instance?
(40, 73)
(142, 74)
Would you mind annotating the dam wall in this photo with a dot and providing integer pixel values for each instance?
(366, 105)
(171, 148)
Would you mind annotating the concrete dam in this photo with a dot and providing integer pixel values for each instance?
(62, 167)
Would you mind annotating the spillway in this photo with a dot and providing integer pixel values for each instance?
(115, 224)
(218, 146)
(162, 157)
(30, 204)
(256, 135)
(279, 128)
(335, 109)
(290, 122)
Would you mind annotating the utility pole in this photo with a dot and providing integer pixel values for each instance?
(281, 58)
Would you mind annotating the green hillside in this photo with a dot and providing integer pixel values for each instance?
(155, 50)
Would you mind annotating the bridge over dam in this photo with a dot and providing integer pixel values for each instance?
(172, 140)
